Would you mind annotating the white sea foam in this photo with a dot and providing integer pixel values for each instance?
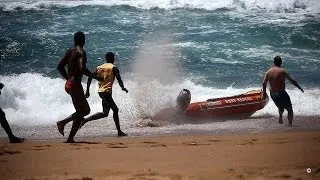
(258, 52)
(307, 6)
(190, 44)
(32, 99)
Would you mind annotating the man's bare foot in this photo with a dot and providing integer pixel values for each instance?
(280, 121)
(16, 140)
(121, 134)
(60, 127)
(69, 141)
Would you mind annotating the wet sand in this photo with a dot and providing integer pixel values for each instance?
(264, 155)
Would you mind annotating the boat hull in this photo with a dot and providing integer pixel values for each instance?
(240, 106)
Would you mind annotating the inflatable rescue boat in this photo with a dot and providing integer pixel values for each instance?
(239, 106)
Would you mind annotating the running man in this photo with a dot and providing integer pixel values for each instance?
(108, 71)
(75, 59)
(6, 127)
(276, 77)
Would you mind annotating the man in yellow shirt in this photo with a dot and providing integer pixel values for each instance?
(108, 72)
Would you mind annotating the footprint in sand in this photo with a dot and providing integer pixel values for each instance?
(146, 174)
(282, 142)
(191, 143)
(40, 147)
(214, 140)
(10, 152)
(316, 139)
(149, 142)
(75, 144)
(154, 175)
(83, 178)
(283, 176)
(154, 144)
(194, 144)
(158, 145)
(247, 143)
(83, 145)
(117, 145)
(86, 142)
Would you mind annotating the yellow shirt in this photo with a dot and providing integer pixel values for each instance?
(106, 72)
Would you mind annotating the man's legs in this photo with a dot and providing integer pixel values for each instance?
(290, 115)
(93, 117)
(99, 115)
(107, 103)
(276, 97)
(82, 109)
(7, 129)
(115, 110)
(75, 126)
(281, 110)
(282, 101)
(63, 122)
(288, 105)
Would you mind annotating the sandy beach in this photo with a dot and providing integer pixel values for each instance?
(265, 155)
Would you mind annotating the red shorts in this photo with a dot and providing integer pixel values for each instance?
(72, 87)
(77, 94)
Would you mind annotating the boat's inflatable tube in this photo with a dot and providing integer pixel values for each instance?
(243, 105)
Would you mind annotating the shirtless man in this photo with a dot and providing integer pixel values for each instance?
(276, 76)
(75, 59)
(108, 71)
(4, 123)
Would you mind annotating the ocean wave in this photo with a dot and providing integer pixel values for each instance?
(306, 6)
(31, 99)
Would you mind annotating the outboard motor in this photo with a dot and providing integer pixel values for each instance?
(183, 99)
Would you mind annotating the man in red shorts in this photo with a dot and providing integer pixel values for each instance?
(75, 59)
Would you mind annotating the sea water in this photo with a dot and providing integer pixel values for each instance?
(214, 48)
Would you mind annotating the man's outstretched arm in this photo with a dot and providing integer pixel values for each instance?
(117, 74)
(294, 82)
